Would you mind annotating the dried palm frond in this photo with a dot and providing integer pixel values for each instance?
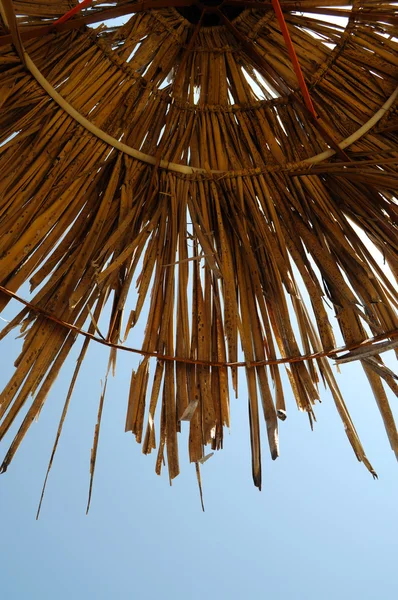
(178, 151)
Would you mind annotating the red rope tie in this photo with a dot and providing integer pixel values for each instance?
(293, 57)
(73, 12)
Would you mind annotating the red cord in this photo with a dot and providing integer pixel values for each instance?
(73, 12)
(293, 57)
(192, 361)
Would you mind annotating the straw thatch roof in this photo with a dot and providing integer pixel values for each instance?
(224, 157)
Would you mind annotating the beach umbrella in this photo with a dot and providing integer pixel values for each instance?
(224, 171)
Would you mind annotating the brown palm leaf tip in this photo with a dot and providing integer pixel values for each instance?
(175, 152)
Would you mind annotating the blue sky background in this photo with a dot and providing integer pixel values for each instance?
(320, 529)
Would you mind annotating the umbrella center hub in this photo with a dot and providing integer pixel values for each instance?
(210, 18)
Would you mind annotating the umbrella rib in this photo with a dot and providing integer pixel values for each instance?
(252, 52)
(189, 49)
(363, 15)
(10, 21)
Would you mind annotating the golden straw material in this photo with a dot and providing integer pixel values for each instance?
(164, 169)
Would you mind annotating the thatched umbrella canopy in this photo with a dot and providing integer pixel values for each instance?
(224, 157)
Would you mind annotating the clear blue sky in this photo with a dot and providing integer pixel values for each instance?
(321, 529)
